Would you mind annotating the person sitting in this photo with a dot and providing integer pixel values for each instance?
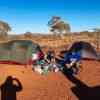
(38, 61)
(51, 59)
(71, 60)
(74, 61)
(50, 56)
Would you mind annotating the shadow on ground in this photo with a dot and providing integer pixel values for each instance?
(81, 90)
(9, 88)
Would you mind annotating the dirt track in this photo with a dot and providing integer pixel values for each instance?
(54, 86)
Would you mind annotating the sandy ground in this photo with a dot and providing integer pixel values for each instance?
(54, 86)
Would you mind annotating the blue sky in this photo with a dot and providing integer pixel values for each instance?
(33, 15)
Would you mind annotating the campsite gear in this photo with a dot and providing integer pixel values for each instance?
(38, 63)
(75, 56)
(70, 60)
(52, 61)
(38, 58)
(55, 68)
(73, 60)
(76, 67)
(41, 62)
(34, 56)
(38, 69)
(18, 51)
(42, 67)
(40, 55)
(50, 55)
(86, 49)
(45, 69)
(61, 62)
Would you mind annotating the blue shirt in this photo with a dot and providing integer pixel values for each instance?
(72, 55)
(76, 55)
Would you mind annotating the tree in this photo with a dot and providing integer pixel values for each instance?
(97, 30)
(28, 35)
(4, 28)
(58, 26)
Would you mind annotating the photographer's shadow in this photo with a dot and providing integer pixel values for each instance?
(9, 88)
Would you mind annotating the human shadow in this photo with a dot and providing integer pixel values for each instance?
(81, 90)
(9, 88)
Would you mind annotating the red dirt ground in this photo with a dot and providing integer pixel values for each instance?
(54, 86)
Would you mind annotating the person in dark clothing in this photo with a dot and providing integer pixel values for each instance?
(71, 61)
(74, 61)
(50, 56)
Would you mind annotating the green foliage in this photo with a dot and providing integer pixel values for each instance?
(28, 35)
(4, 29)
(58, 26)
(4, 26)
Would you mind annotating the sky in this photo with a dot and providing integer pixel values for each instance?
(33, 15)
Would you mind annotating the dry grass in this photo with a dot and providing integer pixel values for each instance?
(54, 41)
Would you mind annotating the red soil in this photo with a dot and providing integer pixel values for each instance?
(54, 86)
